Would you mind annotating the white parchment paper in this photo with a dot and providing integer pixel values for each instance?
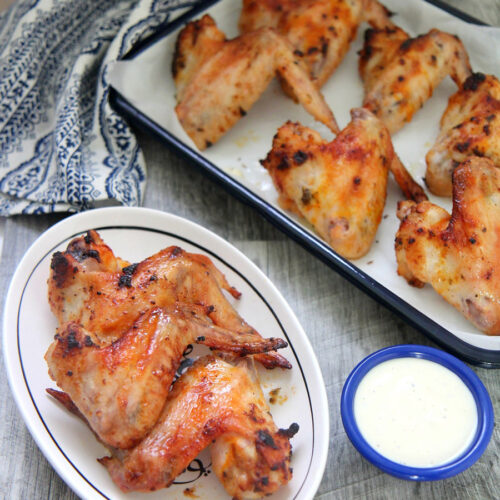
(147, 83)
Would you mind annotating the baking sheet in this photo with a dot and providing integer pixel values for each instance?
(145, 81)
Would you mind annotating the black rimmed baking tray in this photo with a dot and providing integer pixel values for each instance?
(438, 324)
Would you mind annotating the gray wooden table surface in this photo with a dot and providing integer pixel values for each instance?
(343, 324)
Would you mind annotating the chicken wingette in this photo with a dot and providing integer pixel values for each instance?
(400, 73)
(320, 31)
(339, 187)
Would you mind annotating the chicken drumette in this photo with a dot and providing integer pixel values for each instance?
(89, 286)
(401, 73)
(219, 80)
(320, 31)
(213, 402)
(458, 255)
(470, 126)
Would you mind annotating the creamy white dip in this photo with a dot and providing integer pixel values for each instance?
(415, 412)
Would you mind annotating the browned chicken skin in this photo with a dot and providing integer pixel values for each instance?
(212, 401)
(106, 299)
(196, 43)
(469, 126)
(458, 255)
(339, 186)
(219, 80)
(107, 302)
(116, 354)
(379, 49)
(401, 73)
(121, 388)
(320, 31)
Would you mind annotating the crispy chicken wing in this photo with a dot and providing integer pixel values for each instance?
(121, 389)
(401, 73)
(107, 302)
(458, 255)
(379, 49)
(469, 126)
(320, 31)
(219, 81)
(339, 187)
(212, 401)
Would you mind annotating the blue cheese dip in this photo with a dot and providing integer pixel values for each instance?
(415, 412)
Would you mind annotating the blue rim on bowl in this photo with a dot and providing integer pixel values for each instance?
(471, 380)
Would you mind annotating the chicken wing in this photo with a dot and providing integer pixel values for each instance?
(108, 302)
(379, 49)
(121, 389)
(320, 31)
(401, 73)
(458, 255)
(338, 187)
(212, 401)
(469, 126)
(219, 80)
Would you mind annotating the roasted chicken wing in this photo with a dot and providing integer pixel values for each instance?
(106, 299)
(320, 31)
(338, 187)
(219, 80)
(401, 73)
(214, 401)
(469, 126)
(458, 255)
(379, 49)
(121, 388)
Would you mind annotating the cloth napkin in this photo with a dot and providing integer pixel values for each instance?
(62, 147)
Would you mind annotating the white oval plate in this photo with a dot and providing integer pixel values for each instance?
(134, 234)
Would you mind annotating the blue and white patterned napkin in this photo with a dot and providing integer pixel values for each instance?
(62, 147)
